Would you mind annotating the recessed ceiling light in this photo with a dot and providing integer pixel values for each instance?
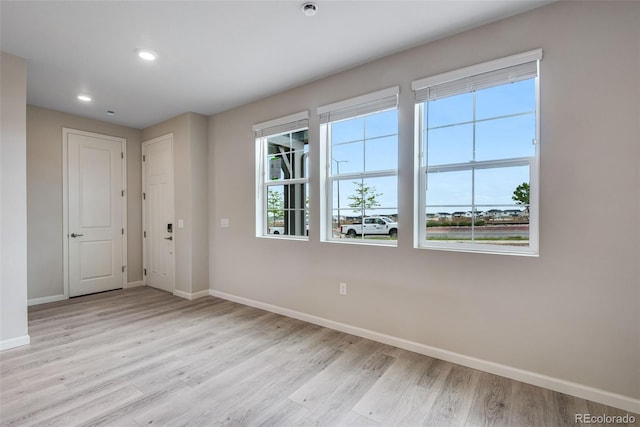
(147, 55)
(85, 98)
(309, 9)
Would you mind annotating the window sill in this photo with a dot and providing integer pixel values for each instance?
(481, 249)
(285, 237)
(363, 242)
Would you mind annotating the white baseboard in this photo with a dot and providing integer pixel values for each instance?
(626, 403)
(192, 296)
(135, 284)
(44, 300)
(15, 342)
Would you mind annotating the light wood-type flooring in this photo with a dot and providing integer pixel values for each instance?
(142, 357)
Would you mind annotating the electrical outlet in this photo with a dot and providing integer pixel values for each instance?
(343, 288)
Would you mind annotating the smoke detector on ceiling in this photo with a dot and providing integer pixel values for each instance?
(309, 9)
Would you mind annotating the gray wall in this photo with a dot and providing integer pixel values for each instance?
(191, 198)
(571, 313)
(44, 197)
(13, 210)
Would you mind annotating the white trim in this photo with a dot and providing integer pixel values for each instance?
(579, 390)
(45, 300)
(143, 152)
(135, 284)
(534, 184)
(263, 184)
(485, 248)
(419, 178)
(187, 295)
(259, 208)
(15, 342)
(287, 181)
(281, 120)
(422, 169)
(65, 212)
(327, 176)
(362, 99)
(65, 200)
(360, 241)
(284, 237)
(379, 173)
(125, 211)
(472, 70)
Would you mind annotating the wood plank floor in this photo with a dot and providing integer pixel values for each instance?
(143, 357)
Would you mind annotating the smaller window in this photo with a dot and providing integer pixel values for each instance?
(359, 138)
(282, 172)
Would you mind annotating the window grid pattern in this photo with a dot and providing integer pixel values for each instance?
(483, 221)
(283, 179)
(363, 175)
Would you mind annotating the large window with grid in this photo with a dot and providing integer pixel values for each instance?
(282, 171)
(359, 138)
(477, 139)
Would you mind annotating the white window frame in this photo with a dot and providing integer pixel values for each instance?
(283, 125)
(422, 169)
(359, 106)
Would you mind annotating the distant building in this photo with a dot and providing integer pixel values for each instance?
(512, 212)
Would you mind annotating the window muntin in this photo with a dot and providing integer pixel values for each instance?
(361, 145)
(477, 146)
(364, 198)
(283, 178)
(287, 209)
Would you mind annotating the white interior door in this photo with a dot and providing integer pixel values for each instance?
(159, 227)
(96, 212)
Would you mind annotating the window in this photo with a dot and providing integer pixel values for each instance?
(360, 139)
(477, 136)
(282, 171)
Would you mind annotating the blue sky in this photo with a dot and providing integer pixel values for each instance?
(491, 124)
(366, 144)
(504, 128)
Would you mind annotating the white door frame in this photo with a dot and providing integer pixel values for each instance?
(144, 206)
(65, 201)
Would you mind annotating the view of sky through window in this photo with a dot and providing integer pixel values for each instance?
(478, 150)
(491, 124)
(363, 145)
(478, 166)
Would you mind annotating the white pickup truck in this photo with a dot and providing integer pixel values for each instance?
(372, 226)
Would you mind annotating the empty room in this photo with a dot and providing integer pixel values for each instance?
(330, 213)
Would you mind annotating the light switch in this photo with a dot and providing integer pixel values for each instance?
(180, 223)
(224, 223)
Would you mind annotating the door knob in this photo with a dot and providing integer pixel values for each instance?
(168, 238)
(76, 235)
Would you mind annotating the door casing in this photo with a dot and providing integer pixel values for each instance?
(65, 201)
(145, 226)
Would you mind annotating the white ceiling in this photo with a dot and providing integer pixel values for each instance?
(213, 55)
